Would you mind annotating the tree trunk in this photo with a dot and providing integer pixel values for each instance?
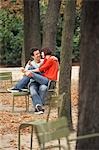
(32, 37)
(89, 76)
(50, 24)
(66, 58)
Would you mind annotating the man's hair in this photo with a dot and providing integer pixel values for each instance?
(47, 51)
(33, 50)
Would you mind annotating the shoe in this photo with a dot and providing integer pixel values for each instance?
(24, 90)
(39, 109)
(13, 90)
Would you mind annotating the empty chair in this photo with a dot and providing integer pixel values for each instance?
(5, 81)
(52, 130)
(32, 124)
(22, 94)
(55, 130)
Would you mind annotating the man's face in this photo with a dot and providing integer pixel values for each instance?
(37, 55)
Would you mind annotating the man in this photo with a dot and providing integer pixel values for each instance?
(37, 61)
(49, 70)
(37, 91)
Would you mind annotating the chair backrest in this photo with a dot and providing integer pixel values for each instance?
(5, 80)
(51, 84)
(52, 130)
(57, 102)
(6, 76)
(60, 103)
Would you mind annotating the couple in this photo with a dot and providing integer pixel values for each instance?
(37, 74)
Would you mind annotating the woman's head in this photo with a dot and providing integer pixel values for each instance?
(46, 51)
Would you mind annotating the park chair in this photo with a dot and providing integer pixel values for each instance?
(6, 82)
(51, 89)
(32, 124)
(24, 94)
(55, 130)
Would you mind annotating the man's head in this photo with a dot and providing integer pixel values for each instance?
(46, 51)
(35, 54)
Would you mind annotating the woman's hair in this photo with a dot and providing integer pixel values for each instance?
(47, 51)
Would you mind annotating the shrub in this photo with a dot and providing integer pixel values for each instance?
(11, 38)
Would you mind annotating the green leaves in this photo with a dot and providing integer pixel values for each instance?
(11, 37)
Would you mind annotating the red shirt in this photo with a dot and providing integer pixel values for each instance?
(50, 68)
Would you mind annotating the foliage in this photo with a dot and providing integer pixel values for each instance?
(11, 37)
(43, 8)
(76, 39)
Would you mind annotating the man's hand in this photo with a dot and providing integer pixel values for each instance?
(22, 69)
(28, 73)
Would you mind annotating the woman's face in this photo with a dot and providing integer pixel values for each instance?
(42, 55)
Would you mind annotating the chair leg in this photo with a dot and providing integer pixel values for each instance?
(49, 110)
(31, 145)
(19, 138)
(59, 144)
(27, 103)
(68, 144)
(42, 147)
(13, 104)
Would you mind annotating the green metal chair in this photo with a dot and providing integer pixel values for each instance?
(32, 124)
(55, 130)
(6, 77)
(22, 94)
(52, 130)
(5, 81)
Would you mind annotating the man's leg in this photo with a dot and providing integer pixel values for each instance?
(24, 81)
(39, 78)
(36, 99)
(34, 87)
(20, 85)
(43, 92)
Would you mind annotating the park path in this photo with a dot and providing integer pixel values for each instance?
(11, 121)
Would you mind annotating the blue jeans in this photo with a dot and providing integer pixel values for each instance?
(24, 81)
(38, 93)
(39, 78)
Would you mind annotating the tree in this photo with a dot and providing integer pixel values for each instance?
(50, 24)
(88, 120)
(32, 37)
(66, 58)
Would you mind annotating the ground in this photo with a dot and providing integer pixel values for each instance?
(10, 121)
